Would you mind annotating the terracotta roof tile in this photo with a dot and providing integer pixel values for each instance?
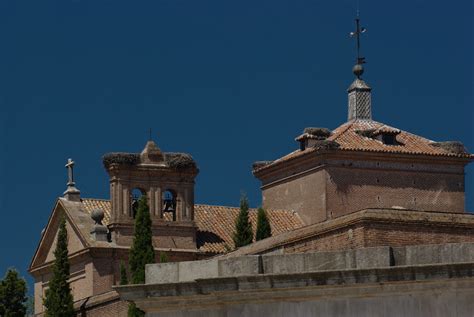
(216, 223)
(91, 204)
(349, 138)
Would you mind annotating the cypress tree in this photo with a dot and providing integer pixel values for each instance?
(12, 295)
(142, 251)
(58, 300)
(123, 274)
(264, 229)
(243, 234)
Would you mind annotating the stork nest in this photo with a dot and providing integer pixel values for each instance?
(322, 133)
(368, 133)
(173, 160)
(121, 158)
(326, 145)
(454, 147)
(179, 160)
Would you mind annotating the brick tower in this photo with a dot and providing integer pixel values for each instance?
(167, 179)
(364, 164)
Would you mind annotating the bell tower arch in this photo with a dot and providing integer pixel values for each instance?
(167, 180)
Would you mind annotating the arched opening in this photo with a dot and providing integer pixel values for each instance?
(169, 204)
(135, 196)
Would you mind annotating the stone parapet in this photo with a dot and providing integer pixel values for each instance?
(177, 272)
(363, 258)
(421, 290)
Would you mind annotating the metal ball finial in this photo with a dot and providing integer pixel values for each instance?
(358, 70)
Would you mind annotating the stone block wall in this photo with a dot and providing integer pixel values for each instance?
(161, 273)
(363, 258)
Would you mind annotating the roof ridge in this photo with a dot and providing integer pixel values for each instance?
(252, 208)
(208, 205)
(402, 130)
(101, 199)
(349, 124)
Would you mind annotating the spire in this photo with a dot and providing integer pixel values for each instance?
(71, 193)
(359, 93)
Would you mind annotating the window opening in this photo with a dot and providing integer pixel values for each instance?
(169, 203)
(389, 139)
(135, 196)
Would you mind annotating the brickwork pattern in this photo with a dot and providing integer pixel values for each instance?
(382, 234)
(341, 187)
(351, 190)
(112, 308)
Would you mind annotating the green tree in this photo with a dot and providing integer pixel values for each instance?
(243, 234)
(58, 300)
(163, 257)
(142, 251)
(12, 295)
(264, 230)
(134, 311)
(30, 306)
(123, 274)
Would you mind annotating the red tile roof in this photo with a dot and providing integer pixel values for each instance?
(350, 138)
(216, 223)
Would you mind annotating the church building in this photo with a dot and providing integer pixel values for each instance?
(363, 184)
(101, 230)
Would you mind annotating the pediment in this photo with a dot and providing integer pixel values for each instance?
(45, 250)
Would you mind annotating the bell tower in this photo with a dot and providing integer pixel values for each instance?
(167, 180)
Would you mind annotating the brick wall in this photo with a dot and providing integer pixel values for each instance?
(380, 234)
(349, 190)
(396, 234)
(305, 195)
(351, 237)
(320, 190)
(103, 274)
(368, 228)
(108, 308)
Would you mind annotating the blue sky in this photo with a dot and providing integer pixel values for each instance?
(230, 82)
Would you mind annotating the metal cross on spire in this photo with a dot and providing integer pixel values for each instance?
(359, 30)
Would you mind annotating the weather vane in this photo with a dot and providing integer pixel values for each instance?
(359, 30)
(358, 69)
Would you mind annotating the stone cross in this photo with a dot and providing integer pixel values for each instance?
(70, 171)
(71, 193)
